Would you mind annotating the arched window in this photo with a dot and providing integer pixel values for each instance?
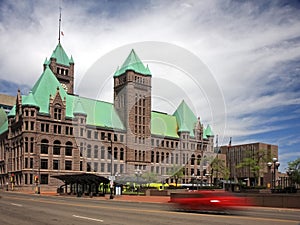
(69, 148)
(135, 155)
(193, 159)
(157, 157)
(102, 153)
(198, 159)
(44, 146)
(167, 157)
(96, 152)
(57, 112)
(144, 156)
(115, 153)
(121, 154)
(56, 147)
(89, 151)
(26, 144)
(162, 156)
(152, 156)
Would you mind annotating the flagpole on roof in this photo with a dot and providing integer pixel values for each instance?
(59, 24)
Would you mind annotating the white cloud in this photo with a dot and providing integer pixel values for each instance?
(247, 46)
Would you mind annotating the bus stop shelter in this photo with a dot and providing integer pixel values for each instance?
(83, 183)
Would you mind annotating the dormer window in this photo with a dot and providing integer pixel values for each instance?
(57, 112)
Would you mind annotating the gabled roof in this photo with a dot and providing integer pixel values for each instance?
(163, 125)
(61, 57)
(208, 131)
(45, 86)
(12, 112)
(78, 108)
(29, 100)
(186, 119)
(3, 121)
(98, 113)
(134, 63)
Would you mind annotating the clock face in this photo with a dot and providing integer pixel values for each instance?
(64, 87)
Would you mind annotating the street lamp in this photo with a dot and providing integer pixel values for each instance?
(138, 173)
(275, 164)
(111, 178)
(290, 174)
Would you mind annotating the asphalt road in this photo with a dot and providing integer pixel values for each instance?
(24, 209)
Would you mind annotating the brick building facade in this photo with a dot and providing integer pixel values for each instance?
(248, 163)
(51, 131)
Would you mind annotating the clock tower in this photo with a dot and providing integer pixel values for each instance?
(63, 68)
(61, 65)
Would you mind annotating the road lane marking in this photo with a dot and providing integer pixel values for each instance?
(159, 211)
(87, 218)
(15, 204)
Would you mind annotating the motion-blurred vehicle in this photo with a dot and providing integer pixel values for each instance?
(208, 201)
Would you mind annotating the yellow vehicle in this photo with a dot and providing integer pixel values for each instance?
(158, 186)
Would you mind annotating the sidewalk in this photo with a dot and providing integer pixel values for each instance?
(128, 198)
(138, 198)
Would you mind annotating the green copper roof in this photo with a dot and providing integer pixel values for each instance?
(134, 63)
(186, 119)
(98, 113)
(78, 108)
(4, 127)
(71, 60)
(29, 100)
(3, 121)
(12, 112)
(163, 125)
(45, 86)
(61, 57)
(208, 131)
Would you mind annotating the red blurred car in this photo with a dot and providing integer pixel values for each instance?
(209, 200)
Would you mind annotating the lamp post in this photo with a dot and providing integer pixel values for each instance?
(290, 177)
(275, 164)
(111, 169)
(138, 173)
(38, 177)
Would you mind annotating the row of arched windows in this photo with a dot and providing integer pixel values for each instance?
(162, 157)
(118, 154)
(56, 147)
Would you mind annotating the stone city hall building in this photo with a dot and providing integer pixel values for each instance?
(51, 131)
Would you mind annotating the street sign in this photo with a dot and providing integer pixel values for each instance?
(112, 178)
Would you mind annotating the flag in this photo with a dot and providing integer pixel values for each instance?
(62, 33)
(229, 142)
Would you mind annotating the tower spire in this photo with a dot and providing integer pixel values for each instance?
(59, 24)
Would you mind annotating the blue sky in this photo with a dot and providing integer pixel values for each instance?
(251, 49)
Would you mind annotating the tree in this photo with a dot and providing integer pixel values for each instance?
(294, 169)
(219, 169)
(150, 177)
(176, 173)
(253, 161)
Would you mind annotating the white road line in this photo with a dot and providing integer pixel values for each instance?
(88, 218)
(16, 204)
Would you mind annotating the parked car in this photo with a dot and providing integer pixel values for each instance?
(208, 200)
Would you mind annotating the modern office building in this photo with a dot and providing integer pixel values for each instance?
(248, 163)
(53, 131)
(7, 102)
